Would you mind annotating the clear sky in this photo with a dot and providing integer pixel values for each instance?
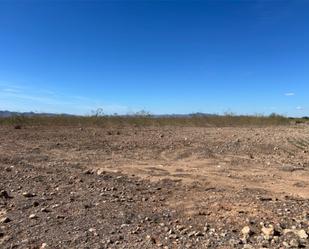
(245, 57)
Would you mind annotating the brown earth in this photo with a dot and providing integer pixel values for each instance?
(150, 187)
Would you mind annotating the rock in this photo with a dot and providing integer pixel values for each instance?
(9, 169)
(294, 243)
(268, 232)
(223, 234)
(234, 242)
(191, 234)
(247, 246)
(173, 236)
(301, 234)
(45, 210)
(135, 231)
(5, 220)
(291, 168)
(33, 216)
(275, 240)
(199, 234)
(101, 172)
(246, 231)
(28, 194)
(87, 172)
(44, 245)
(17, 127)
(109, 241)
(151, 239)
(265, 198)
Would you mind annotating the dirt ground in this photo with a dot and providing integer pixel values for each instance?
(150, 187)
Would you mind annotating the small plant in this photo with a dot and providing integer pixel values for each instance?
(98, 112)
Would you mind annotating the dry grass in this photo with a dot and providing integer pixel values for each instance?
(148, 120)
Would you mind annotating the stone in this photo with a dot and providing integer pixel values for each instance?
(5, 220)
(268, 232)
(197, 234)
(247, 246)
(9, 169)
(87, 172)
(45, 210)
(246, 231)
(28, 194)
(173, 236)
(234, 242)
(294, 243)
(101, 172)
(151, 239)
(265, 198)
(191, 234)
(32, 216)
(291, 168)
(44, 245)
(301, 234)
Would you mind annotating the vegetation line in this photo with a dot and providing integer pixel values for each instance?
(145, 119)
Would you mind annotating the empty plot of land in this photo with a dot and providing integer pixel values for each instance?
(173, 187)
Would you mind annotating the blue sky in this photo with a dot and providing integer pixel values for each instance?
(245, 57)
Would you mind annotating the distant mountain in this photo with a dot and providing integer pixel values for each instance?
(7, 114)
(197, 114)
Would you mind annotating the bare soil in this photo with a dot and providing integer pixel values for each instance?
(154, 187)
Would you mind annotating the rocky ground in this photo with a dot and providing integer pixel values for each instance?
(171, 187)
